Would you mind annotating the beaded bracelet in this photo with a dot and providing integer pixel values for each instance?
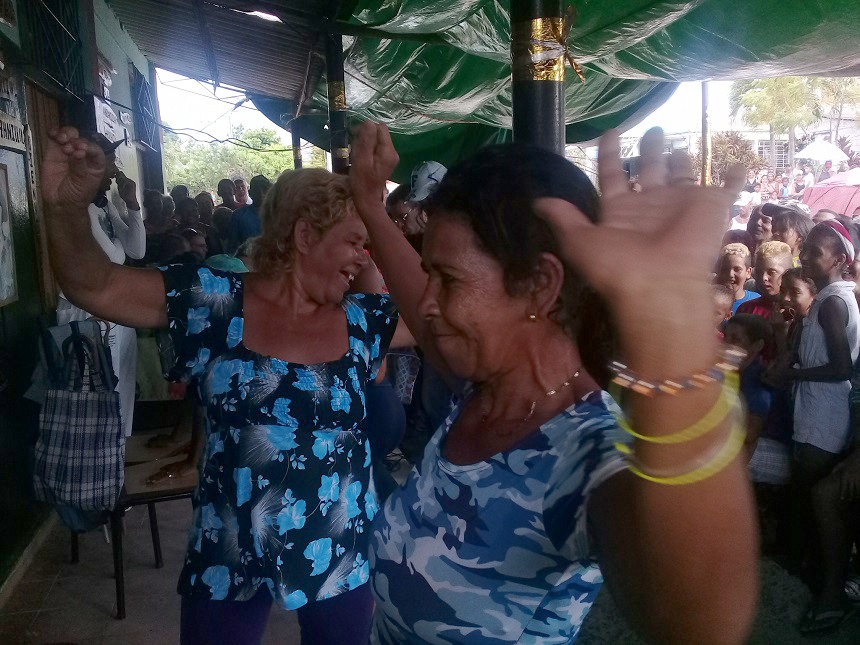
(730, 360)
(728, 451)
(727, 400)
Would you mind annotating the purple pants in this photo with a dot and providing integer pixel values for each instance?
(342, 620)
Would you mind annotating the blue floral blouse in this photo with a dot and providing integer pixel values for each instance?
(285, 497)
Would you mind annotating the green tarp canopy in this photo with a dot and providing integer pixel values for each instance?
(437, 72)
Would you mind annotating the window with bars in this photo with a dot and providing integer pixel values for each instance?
(145, 115)
(54, 44)
(781, 153)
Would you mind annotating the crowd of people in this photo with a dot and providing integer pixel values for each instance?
(477, 318)
(786, 290)
(181, 228)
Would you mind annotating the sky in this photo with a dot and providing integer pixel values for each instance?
(683, 111)
(186, 103)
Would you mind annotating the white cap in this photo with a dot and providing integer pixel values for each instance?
(425, 177)
(743, 199)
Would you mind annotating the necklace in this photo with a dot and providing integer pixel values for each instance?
(553, 392)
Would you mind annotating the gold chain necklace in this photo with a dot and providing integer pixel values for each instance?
(553, 392)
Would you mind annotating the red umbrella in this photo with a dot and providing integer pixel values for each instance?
(840, 194)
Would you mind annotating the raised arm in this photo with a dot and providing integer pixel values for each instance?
(72, 170)
(680, 560)
(373, 158)
(130, 229)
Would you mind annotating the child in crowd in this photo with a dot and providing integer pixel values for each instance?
(829, 346)
(790, 226)
(772, 260)
(734, 270)
(836, 498)
(797, 294)
(768, 433)
(723, 298)
(753, 334)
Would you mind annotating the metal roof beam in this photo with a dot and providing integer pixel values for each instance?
(206, 38)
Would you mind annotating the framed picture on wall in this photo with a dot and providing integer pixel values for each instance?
(8, 279)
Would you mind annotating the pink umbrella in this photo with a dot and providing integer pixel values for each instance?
(840, 194)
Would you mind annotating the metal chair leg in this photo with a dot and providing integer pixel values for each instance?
(156, 542)
(119, 577)
(76, 552)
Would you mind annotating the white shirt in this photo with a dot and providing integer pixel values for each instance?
(737, 225)
(128, 239)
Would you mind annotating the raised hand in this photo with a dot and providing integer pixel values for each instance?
(127, 190)
(372, 158)
(72, 170)
(651, 253)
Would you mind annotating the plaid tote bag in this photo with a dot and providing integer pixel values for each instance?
(80, 453)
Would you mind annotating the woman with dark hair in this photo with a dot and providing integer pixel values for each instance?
(759, 227)
(496, 534)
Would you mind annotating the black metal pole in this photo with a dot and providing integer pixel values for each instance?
(537, 71)
(297, 145)
(337, 122)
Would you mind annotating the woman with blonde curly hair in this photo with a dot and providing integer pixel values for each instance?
(281, 358)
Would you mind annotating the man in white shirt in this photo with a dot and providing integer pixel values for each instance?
(119, 235)
(808, 177)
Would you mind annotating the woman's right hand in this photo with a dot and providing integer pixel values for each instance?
(72, 170)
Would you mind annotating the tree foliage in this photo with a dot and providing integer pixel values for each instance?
(728, 149)
(844, 144)
(836, 94)
(786, 103)
(200, 166)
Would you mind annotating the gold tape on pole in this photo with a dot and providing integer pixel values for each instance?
(537, 53)
(341, 153)
(337, 96)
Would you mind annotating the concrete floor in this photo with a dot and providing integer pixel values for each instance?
(58, 602)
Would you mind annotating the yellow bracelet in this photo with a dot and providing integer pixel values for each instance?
(727, 453)
(727, 400)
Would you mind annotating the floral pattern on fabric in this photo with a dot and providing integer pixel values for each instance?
(285, 495)
(498, 551)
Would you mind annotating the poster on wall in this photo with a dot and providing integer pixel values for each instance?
(108, 123)
(8, 279)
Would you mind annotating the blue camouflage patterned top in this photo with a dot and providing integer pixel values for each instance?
(284, 498)
(497, 551)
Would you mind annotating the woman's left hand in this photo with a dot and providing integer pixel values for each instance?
(651, 254)
(372, 158)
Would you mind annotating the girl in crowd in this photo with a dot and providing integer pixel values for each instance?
(790, 226)
(828, 349)
(496, 535)
(281, 358)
